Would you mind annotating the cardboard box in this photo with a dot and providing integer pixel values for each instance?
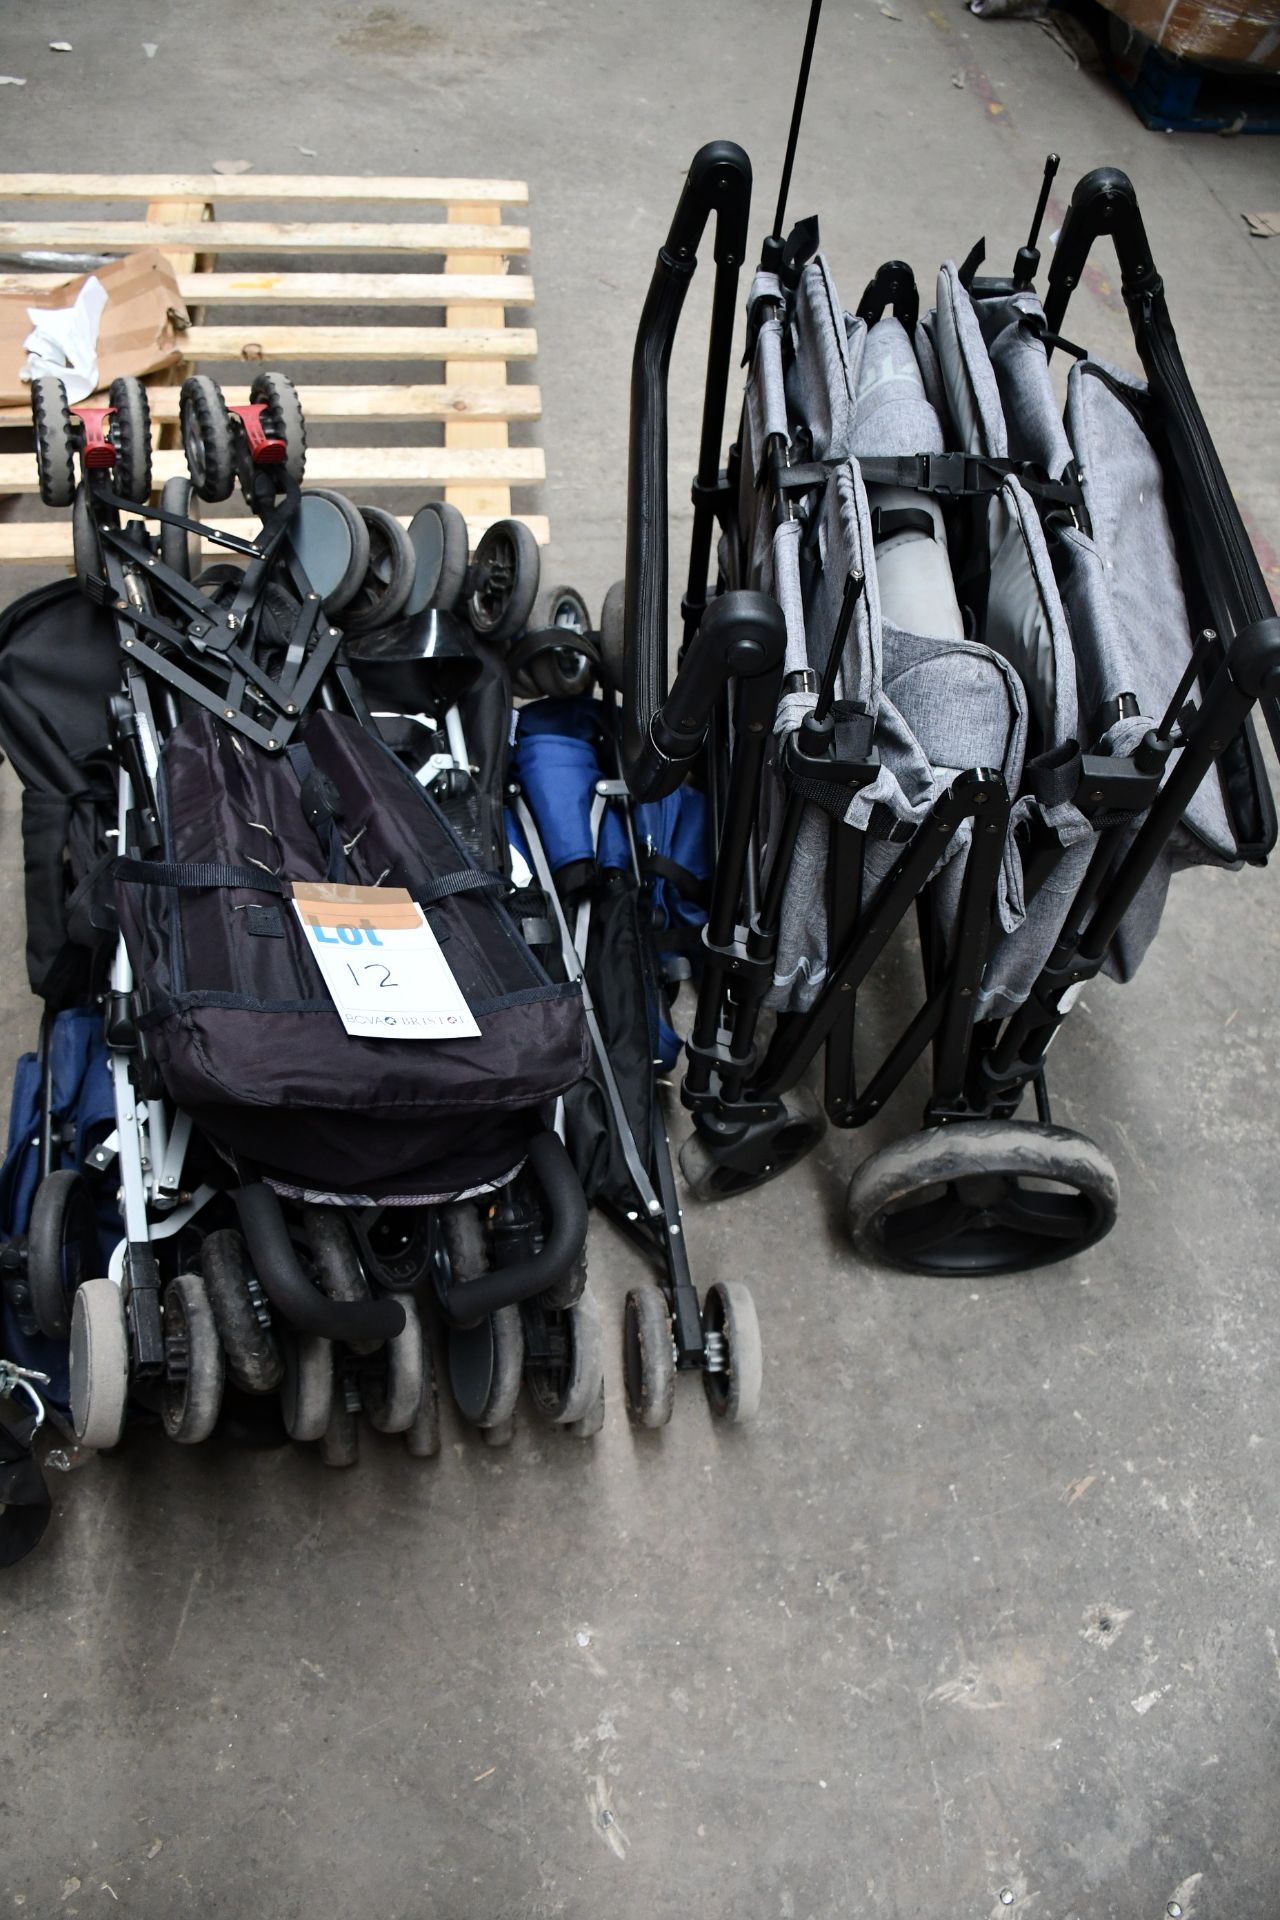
(1235, 33)
(137, 333)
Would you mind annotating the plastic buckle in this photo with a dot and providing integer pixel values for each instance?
(99, 454)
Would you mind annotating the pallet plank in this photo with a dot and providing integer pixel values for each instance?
(260, 236)
(40, 542)
(254, 342)
(319, 289)
(494, 501)
(354, 190)
(352, 467)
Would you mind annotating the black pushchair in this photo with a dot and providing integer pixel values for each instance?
(962, 657)
(209, 805)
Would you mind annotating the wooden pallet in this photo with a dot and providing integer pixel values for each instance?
(442, 305)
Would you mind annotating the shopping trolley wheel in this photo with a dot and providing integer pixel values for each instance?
(503, 581)
(98, 1363)
(340, 1441)
(208, 440)
(648, 1357)
(380, 598)
(55, 441)
(731, 1335)
(194, 1366)
(282, 419)
(612, 616)
(717, 1169)
(179, 549)
(422, 1437)
(62, 1249)
(391, 1385)
(567, 1376)
(131, 438)
(982, 1196)
(240, 1312)
(306, 1388)
(438, 536)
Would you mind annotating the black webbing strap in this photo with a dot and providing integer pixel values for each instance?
(468, 880)
(1053, 778)
(657, 866)
(195, 876)
(965, 476)
(887, 521)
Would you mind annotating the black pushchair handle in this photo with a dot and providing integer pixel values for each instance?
(299, 1300)
(466, 1302)
(719, 182)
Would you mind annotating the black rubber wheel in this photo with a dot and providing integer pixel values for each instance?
(337, 1260)
(208, 438)
(648, 1357)
(438, 536)
(381, 595)
(391, 1392)
(729, 1316)
(55, 441)
(708, 1178)
(565, 1389)
(612, 651)
(307, 1389)
(131, 437)
(982, 1196)
(240, 1312)
(560, 672)
(485, 1362)
(331, 541)
(282, 419)
(191, 1391)
(86, 547)
(503, 582)
(569, 1287)
(62, 1249)
(179, 549)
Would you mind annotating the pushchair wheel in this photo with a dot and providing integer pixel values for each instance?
(592, 1421)
(194, 1367)
(381, 595)
(648, 1357)
(539, 665)
(179, 550)
(612, 650)
(131, 438)
(62, 1249)
(982, 1196)
(392, 1391)
(438, 536)
(99, 1363)
(306, 1389)
(715, 1170)
(337, 1259)
(282, 419)
(332, 544)
(55, 441)
(729, 1319)
(486, 1364)
(208, 440)
(240, 1312)
(86, 547)
(340, 1441)
(503, 581)
(422, 1437)
(565, 1386)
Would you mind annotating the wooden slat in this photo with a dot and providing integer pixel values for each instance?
(356, 191)
(319, 289)
(39, 543)
(260, 236)
(188, 266)
(400, 404)
(492, 500)
(254, 342)
(352, 467)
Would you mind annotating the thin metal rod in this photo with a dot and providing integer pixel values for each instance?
(797, 114)
(1051, 166)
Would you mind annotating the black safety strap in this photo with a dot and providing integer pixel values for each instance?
(966, 475)
(320, 804)
(887, 521)
(1054, 777)
(24, 1497)
(657, 866)
(195, 876)
(467, 880)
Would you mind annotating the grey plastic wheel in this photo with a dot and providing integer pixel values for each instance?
(331, 541)
(982, 1196)
(99, 1363)
(179, 549)
(648, 1357)
(243, 1323)
(592, 1421)
(208, 439)
(392, 1393)
(381, 595)
(55, 441)
(282, 419)
(339, 1269)
(504, 581)
(131, 438)
(438, 536)
(566, 1392)
(707, 1175)
(729, 1313)
(306, 1389)
(422, 1437)
(194, 1367)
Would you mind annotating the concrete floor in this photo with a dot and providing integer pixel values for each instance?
(849, 1663)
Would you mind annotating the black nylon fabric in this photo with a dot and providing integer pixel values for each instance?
(620, 976)
(242, 1030)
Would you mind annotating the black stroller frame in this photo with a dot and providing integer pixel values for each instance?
(715, 721)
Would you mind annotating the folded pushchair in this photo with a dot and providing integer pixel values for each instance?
(965, 656)
(208, 804)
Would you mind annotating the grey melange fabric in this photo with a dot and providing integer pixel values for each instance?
(1053, 647)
